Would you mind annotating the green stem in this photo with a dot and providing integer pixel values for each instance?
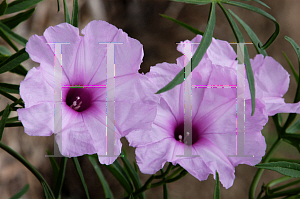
(289, 192)
(284, 186)
(260, 171)
(29, 166)
(165, 186)
(170, 167)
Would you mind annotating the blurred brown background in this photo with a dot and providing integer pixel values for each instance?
(141, 20)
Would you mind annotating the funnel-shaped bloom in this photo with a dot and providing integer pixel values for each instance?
(83, 110)
(213, 119)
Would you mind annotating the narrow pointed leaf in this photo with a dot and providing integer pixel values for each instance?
(60, 177)
(285, 168)
(118, 166)
(13, 35)
(4, 51)
(79, 171)
(240, 39)
(20, 70)
(48, 192)
(107, 191)
(66, 12)
(198, 2)
(13, 61)
(12, 119)
(3, 7)
(297, 50)
(291, 66)
(186, 26)
(3, 120)
(7, 40)
(21, 192)
(262, 3)
(217, 193)
(294, 127)
(293, 142)
(119, 175)
(10, 88)
(75, 13)
(251, 34)
(133, 175)
(265, 14)
(13, 21)
(20, 5)
(204, 44)
(9, 96)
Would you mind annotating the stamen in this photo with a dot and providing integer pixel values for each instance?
(74, 105)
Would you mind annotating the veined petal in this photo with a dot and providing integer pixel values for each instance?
(96, 36)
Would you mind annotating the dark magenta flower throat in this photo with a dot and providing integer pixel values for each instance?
(180, 136)
(79, 99)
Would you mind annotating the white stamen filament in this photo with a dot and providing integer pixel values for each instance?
(180, 137)
(76, 106)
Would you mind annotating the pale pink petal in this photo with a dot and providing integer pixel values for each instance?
(219, 52)
(38, 120)
(72, 53)
(34, 81)
(126, 61)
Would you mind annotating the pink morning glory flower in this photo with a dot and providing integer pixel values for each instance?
(83, 110)
(213, 120)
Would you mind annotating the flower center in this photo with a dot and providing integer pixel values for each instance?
(181, 136)
(79, 99)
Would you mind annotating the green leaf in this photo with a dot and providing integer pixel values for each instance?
(197, 2)
(54, 166)
(133, 175)
(293, 142)
(13, 21)
(285, 168)
(240, 39)
(121, 176)
(75, 13)
(123, 172)
(186, 26)
(12, 119)
(5, 94)
(60, 177)
(13, 61)
(4, 51)
(294, 127)
(204, 44)
(3, 120)
(217, 193)
(262, 3)
(13, 35)
(263, 13)
(66, 12)
(7, 40)
(251, 34)
(79, 171)
(107, 191)
(20, 70)
(291, 66)
(3, 7)
(20, 5)
(21, 192)
(10, 88)
(48, 192)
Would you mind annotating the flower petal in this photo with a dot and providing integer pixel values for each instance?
(126, 61)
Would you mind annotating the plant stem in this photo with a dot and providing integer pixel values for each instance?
(260, 171)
